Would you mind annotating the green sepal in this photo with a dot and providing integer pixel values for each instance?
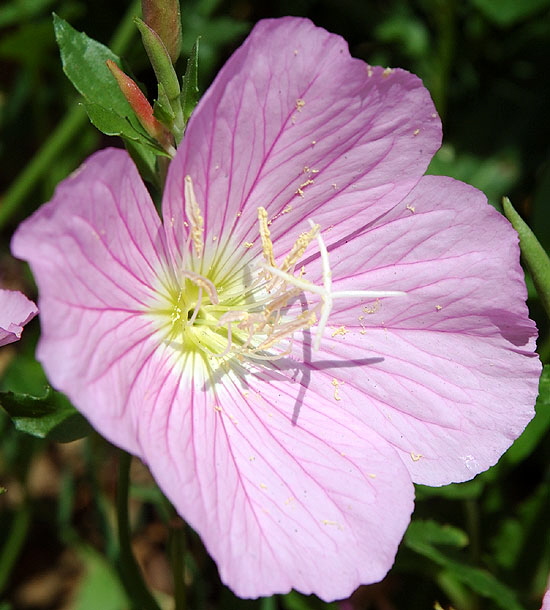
(51, 416)
(160, 59)
(533, 254)
(162, 109)
(190, 86)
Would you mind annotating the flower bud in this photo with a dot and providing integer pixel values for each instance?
(163, 16)
(140, 105)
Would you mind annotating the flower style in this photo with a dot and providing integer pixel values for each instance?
(15, 311)
(313, 326)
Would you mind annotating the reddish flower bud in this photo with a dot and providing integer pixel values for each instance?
(140, 105)
(163, 16)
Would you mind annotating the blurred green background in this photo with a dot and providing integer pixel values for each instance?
(480, 545)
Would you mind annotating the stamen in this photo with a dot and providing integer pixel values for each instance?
(193, 213)
(196, 310)
(203, 283)
(267, 244)
(299, 247)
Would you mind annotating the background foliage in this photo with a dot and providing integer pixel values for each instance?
(482, 544)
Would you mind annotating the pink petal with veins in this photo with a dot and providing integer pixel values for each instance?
(15, 311)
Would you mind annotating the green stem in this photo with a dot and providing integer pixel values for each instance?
(177, 548)
(14, 543)
(64, 133)
(130, 573)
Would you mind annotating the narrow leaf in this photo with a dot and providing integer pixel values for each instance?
(533, 253)
(190, 88)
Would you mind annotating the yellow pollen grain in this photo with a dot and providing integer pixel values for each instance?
(300, 103)
(416, 132)
(331, 522)
(287, 209)
(411, 208)
(299, 248)
(341, 330)
(369, 71)
(251, 458)
(217, 408)
(248, 244)
(289, 500)
(193, 213)
(371, 475)
(387, 72)
(416, 456)
(267, 244)
(370, 309)
(263, 486)
(337, 385)
(438, 307)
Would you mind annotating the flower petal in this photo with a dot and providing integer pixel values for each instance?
(15, 311)
(95, 251)
(319, 505)
(294, 124)
(449, 370)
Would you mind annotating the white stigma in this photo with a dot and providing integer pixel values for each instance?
(325, 291)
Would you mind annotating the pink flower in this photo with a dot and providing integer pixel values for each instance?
(15, 311)
(192, 342)
(546, 601)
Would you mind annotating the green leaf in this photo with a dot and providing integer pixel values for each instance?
(51, 416)
(100, 586)
(508, 12)
(422, 536)
(84, 64)
(425, 537)
(533, 253)
(190, 87)
(113, 124)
